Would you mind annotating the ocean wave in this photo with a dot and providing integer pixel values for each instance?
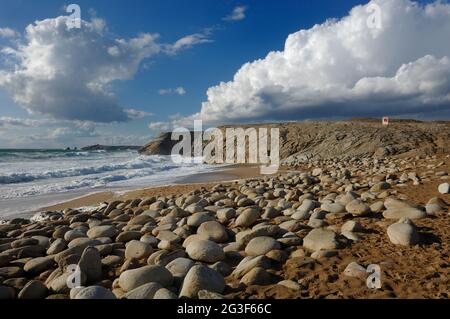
(30, 155)
(139, 163)
(161, 175)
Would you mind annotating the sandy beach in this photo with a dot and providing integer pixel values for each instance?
(183, 186)
(302, 233)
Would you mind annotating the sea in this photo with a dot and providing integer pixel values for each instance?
(31, 179)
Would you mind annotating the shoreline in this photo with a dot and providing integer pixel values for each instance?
(181, 186)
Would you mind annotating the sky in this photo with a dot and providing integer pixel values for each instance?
(127, 70)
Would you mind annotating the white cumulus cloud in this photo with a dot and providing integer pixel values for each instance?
(67, 73)
(346, 67)
(8, 33)
(159, 126)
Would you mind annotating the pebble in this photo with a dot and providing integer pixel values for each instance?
(146, 291)
(444, 188)
(334, 208)
(95, 293)
(352, 226)
(73, 234)
(199, 278)
(57, 246)
(102, 231)
(134, 278)
(138, 250)
(127, 236)
(38, 265)
(357, 208)
(213, 231)
(164, 293)
(257, 276)
(11, 272)
(356, 271)
(34, 289)
(180, 267)
(320, 239)
(248, 217)
(205, 250)
(261, 246)
(408, 212)
(250, 262)
(208, 295)
(91, 264)
(403, 233)
(226, 214)
(197, 219)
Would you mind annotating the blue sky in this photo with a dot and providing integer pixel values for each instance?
(228, 45)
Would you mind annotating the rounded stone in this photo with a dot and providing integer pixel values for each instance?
(334, 208)
(102, 231)
(33, 290)
(357, 208)
(205, 250)
(91, 264)
(73, 234)
(444, 188)
(164, 293)
(405, 212)
(146, 291)
(57, 246)
(320, 239)
(352, 226)
(134, 278)
(197, 219)
(213, 231)
(38, 265)
(95, 293)
(127, 236)
(180, 267)
(261, 245)
(11, 272)
(257, 276)
(24, 242)
(201, 278)
(403, 233)
(248, 217)
(356, 271)
(225, 214)
(83, 242)
(138, 250)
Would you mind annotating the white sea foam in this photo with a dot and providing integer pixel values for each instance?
(33, 174)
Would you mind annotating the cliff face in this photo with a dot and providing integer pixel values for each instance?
(304, 141)
(161, 145)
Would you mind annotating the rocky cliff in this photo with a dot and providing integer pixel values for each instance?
(305, 141)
